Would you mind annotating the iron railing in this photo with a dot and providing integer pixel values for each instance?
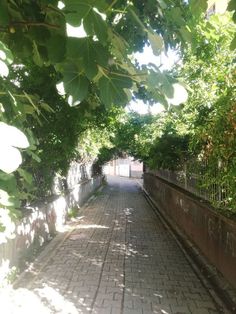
(194, 177)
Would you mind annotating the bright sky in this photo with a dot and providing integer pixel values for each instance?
(147, 56)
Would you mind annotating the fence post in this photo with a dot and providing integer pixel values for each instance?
(185, 176)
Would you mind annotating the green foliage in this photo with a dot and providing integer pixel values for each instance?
(113, 88)
(232, 7)
(137, 135)
(209, 113)
(36, 33)
(169, 151)
(97, 72)
(156, 140)
(73, 212)
(201, 130)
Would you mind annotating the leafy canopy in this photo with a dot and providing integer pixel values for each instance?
(96, 71)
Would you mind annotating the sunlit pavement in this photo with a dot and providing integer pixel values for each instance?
(117, 258)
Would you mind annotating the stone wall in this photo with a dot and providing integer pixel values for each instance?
(213, 234)
(41, 221)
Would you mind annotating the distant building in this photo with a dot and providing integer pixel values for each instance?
(124, 167)
(216, 6)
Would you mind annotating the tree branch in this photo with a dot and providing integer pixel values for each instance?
(49, 7)
(28, 23)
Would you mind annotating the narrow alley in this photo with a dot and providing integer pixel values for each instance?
(116, 258)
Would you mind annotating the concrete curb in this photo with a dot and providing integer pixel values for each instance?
(220, 290)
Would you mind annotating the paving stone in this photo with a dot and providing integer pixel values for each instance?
(118, 259)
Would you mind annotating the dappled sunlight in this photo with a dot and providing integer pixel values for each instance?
(21, 301)
(32, 231)
(6, 272)
(153, 301)
(55, 300)
(92, 227)
(106, 262)
(94, 261)
(97, 242)
(130, 251)
(162, 311)
(128, 211)
(75, 219)
(76, 196)
(60, 207)
(81, 235)
(43, 300)
(158, 295)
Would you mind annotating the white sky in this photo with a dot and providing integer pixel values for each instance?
(167, 61)
(140, 107)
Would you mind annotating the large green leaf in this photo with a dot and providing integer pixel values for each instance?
(75, 11)
(156, 42)
(186, 34)
(176, 16)
(26, 175)
(160, 82)
(75, 83)
(4, 16)
(56, 47)
(198, 6)
(36, 55)
(158, 97)
(91, 54)
(21, 45)
(232, 5)
(9, 193)
(83, 49)
(119, 45)
(113, 89)
(102, 54)
(40, 34)
(94, 25)
(8, 182)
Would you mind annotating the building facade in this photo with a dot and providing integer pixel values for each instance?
(217, 7)
(124, 167)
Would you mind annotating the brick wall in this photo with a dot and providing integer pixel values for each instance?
(213, 234)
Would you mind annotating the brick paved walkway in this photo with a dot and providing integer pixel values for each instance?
(118, 258)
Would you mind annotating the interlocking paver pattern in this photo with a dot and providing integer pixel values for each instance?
(119, 258)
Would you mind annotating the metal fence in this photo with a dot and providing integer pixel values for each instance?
(195, 178)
